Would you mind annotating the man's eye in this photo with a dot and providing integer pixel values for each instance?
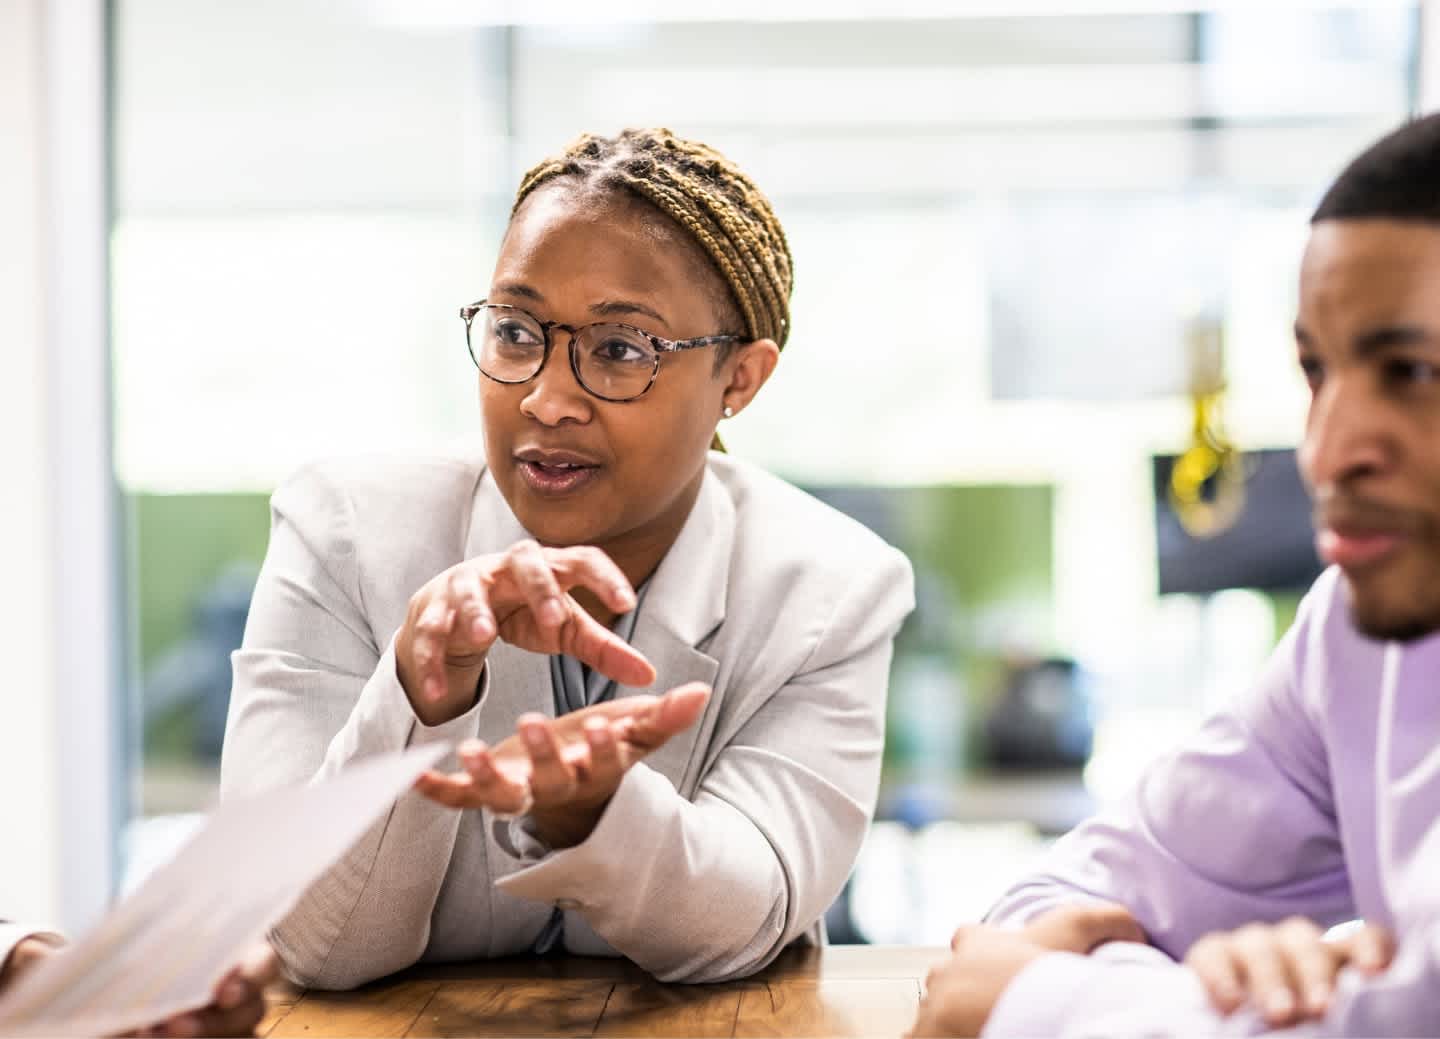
(1412, 373)
(1312, 370)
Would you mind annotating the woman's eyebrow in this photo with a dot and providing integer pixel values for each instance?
(519, 288)
(621, 307)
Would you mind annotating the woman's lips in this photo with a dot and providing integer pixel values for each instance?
(557, 479)
(1356, 549)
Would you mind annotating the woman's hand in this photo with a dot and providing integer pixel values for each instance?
(1286, 970)
(563, 771)
(521, 595)
(25, 955)
(235, 1009)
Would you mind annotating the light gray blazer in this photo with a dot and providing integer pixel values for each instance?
(717, 851)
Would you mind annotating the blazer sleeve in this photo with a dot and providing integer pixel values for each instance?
(714, 888)
(313, 692)
(1237, 826)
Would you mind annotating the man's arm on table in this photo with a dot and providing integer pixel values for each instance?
(1127, 990)
(1237, 826)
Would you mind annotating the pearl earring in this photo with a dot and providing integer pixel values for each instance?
(729, 412)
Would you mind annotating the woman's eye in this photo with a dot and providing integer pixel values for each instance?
(619, 351)
(514, 333)
(1312, 371)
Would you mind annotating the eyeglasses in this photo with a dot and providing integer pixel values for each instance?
(611, 361)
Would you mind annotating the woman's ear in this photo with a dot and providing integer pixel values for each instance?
(748, 370)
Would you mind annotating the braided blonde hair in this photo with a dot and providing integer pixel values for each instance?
(704, 193)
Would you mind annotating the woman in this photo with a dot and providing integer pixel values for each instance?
(641, 294)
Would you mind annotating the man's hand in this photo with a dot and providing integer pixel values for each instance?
(1079, 928)
(1287, 970)
(522, 595)
(961, 993)
(563, 771)
(235, 1009)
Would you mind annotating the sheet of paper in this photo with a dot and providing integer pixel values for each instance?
(163, 949)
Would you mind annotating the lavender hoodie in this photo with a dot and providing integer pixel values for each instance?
(1317, 794)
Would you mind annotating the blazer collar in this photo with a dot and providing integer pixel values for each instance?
(684, 603)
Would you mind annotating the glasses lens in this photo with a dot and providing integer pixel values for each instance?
(507, 345)
(615, 362)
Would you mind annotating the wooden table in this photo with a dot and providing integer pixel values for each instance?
(837, 991)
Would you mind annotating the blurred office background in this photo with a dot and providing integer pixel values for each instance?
(1030, 237)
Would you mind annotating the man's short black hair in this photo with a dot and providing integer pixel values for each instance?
(1396, 178)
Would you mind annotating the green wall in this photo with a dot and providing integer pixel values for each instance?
(178, 544)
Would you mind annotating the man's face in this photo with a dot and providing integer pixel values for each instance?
(1369, 341)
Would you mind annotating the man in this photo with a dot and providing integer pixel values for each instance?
(1316, 798)
(237, 1008)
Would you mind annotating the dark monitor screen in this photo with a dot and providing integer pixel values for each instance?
(1270, 546)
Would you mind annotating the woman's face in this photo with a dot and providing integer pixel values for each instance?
(576, 469)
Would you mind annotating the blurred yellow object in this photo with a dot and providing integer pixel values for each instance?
(1207, 484)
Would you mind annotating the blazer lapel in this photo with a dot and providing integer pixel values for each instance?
(683, 605)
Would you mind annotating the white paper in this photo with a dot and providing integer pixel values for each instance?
(162, 951)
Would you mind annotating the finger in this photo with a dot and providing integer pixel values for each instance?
(1266, 974)
(1111, 923)
(531, 572)
(591, 568)
(1083, 927)
(452, 791)
(261, 964)
(476, 621)
(674, 712)
(605, 761)
(183, 1026)
(1371, 948)
(239, 1020)
(232, 990)
(432, 632)
(590, 642)
(503, 785)
(1218, 972)
(1312, 963)
(552, 779)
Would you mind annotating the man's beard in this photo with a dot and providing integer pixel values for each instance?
(1391, 625)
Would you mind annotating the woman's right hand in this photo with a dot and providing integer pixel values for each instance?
(521, 595)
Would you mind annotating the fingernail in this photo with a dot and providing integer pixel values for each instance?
(624, 597)
(535, 737)
(551, 611)
(600, 735)
(480, 769)
(232, 994)
(481, 628)
(434, 689)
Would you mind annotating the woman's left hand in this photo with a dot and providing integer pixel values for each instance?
(563, 771)
(236, 1007)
